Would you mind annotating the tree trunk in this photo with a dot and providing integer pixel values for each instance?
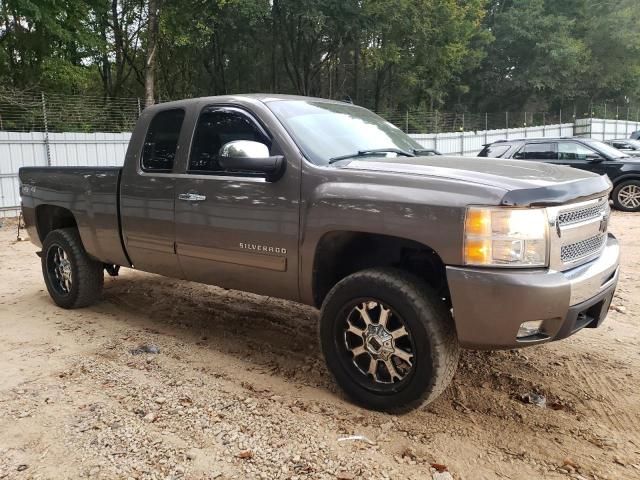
(274, 43)
(356, 71)
(152, 45)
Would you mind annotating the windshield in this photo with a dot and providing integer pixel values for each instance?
(607, 150)
(633, 143)
(325, 131)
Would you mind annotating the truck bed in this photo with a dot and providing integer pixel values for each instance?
(91, 194)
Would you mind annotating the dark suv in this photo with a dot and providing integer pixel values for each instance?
(583, 153)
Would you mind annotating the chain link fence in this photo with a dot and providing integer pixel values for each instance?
(45, 112)
(426, 122)
(40, 112)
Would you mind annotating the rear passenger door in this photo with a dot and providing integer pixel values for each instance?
(147, 193)
(242, 231)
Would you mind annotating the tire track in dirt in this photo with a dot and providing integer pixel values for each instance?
(607, 401)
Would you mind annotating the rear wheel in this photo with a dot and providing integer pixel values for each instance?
(388, 340)
(626, 196)
(73, 278)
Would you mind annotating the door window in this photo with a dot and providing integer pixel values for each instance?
(537, 151)
(216, 127)
(494, 151)
(161, 142)
(573, 151)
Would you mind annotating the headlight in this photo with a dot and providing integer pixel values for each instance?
(501, 236)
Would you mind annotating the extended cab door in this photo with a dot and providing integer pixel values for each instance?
(235, 229)
(147, 192)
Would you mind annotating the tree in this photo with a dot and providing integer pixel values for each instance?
(472, 55)
(152, 45)
(311, 34)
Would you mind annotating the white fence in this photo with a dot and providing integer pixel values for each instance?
(605, 129)
(37, 149)
(470, 143)
(105, 149)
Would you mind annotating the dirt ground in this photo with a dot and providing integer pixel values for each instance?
(239, 390)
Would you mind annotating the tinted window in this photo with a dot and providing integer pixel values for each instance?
(161, 142)
(216, 127)
(494, 151)
(573, 151)
(537, 151)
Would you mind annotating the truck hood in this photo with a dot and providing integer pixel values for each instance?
(524, 182)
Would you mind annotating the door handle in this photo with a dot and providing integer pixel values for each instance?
(191, 197)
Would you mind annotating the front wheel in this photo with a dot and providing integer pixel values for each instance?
(73, 278)
(626, 196)
(388, 340)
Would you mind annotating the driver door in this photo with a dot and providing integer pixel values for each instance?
(235, 229)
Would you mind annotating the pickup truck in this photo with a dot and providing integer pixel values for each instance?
(408, 256)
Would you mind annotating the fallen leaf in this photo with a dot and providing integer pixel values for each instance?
(439, 467)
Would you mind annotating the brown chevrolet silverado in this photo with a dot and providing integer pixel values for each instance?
(409, 256)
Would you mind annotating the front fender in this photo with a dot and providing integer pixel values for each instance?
(428, 211)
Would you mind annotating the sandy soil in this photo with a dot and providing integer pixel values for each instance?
(239, 390)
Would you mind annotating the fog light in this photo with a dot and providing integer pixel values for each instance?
(530, 328)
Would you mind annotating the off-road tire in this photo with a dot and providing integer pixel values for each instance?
(618, 203)
(87, 274)
(426, 318)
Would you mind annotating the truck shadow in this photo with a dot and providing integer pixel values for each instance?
(280, 337)
(277, 335)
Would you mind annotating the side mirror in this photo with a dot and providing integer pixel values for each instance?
(595, 158)
(250, 156)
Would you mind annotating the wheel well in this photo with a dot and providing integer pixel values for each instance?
(618, 181)
(51, 217)
(340, 254)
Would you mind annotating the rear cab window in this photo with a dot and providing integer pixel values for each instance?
(161, 141)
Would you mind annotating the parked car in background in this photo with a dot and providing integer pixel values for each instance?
(635, 135)
(626, 145)
(583, 153)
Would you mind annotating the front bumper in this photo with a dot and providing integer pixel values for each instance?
(489, 305)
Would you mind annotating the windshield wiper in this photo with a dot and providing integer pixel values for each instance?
(372, 151)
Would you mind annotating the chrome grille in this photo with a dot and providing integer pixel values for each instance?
(578, 232)
(583, 214)
(583, 248)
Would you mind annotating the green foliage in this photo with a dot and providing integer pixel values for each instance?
(549, 53)
(470, 55)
